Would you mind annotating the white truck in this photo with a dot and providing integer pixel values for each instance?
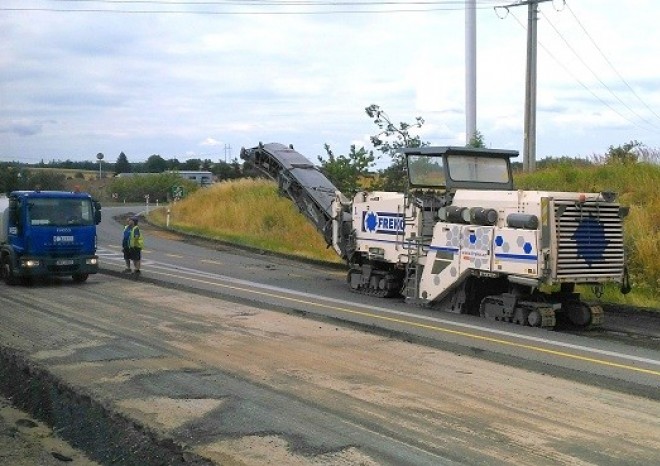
(461, 238)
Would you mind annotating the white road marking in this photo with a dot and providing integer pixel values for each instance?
(436, 320)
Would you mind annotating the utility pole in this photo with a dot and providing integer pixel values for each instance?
(529, 138)
(227, 151)
(470, 70)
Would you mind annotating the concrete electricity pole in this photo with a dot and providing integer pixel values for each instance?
(470, 70)
(529, 141)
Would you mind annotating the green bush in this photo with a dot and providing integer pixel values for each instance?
(157, 186)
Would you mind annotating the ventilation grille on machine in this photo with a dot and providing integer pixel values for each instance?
(589, 241)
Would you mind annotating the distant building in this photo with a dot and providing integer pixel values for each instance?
(200, 177)
(130, 174)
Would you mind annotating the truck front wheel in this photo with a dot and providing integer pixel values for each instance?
(80, 277)
(7, 272)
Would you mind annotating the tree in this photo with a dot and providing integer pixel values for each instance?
(345, 171)
(122, 164)
(227, 171)
(477, 141)
(155, 164)
(42, 179)
(9, 179)
(173, 164)
(628, 153)
(191, 165)
(390, 140)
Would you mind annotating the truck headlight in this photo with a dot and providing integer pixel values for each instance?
(91, 261)
(30, 263)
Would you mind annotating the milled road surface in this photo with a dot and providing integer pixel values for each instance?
(233, 384)
(26, 442)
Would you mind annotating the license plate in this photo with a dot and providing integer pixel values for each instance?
(64, 262)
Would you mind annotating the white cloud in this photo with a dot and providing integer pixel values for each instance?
(74, 84)
(210, 142)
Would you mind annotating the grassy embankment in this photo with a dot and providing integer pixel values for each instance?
(250, 213)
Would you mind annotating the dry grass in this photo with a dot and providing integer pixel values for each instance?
(643, 243)
(251, 213)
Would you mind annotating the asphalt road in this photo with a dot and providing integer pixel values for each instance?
(207, 359)
(135, 373)
(598, 356)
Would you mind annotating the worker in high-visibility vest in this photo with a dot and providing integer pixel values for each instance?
(132, 245)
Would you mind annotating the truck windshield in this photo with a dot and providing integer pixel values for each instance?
(478, 169)
(426, 171)
(60, 212)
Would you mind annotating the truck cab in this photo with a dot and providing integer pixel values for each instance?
(48, 233)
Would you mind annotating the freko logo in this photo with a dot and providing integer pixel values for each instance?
(383, 222)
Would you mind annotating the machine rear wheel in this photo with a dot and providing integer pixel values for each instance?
(583, 315)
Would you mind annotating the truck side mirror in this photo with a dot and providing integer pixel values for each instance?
(97, 212)
(13, 211)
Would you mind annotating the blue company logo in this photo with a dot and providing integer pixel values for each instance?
(383, 222)
(590, 239)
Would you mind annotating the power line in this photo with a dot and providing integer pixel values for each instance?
(568, 71)
(570, 47)
(610, 63)
(280, 2)
(372, 7)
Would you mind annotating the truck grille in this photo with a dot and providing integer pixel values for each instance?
(63, 250)
(63, 268)
(589, 241)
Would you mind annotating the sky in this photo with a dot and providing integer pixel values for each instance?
(184, 79)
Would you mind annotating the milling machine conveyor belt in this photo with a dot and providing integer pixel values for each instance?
(299, 179)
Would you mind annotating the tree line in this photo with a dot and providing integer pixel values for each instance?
(18, 175)
(349, 172)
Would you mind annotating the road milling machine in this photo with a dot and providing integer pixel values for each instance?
(461, 238)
